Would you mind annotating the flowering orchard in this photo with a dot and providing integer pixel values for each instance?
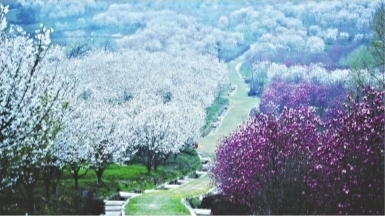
(297, 164)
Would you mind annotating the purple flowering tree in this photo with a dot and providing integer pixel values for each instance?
(301, 95)
(261, 165)
(275, 97)
(325, 99)
(348, 177)
(280, 94)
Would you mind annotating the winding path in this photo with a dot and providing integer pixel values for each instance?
(240, 106)
(165, 202)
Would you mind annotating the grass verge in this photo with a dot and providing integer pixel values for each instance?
(246, 70)
(212, 111)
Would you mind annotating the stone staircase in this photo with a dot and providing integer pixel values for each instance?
(117, 207)
(206, 163)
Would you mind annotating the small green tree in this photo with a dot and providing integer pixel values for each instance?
(378, 40)
(367, 63)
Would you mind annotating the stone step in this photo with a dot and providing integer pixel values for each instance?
(200, 172)
(205, 167)
(160, 186)
(183, 181)
(113, 208)
(186, 178)
(171, 186)
(205, 160)
(113, 213)
(149, 191)
(202, 211)
(189, 179)
(114, 203)
(127, 195)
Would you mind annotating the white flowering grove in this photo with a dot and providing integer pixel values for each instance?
(160, 99)
(168, 31)
(308, 73)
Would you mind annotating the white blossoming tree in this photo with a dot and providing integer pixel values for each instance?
(110, 137)
(73, 144)
(93, 138)
(32, 101)
(162, 130)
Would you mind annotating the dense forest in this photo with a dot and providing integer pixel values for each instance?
(96, 85)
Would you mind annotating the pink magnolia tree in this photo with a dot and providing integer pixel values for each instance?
(348, 177)
(275, 97)
(261, 165)
(326, 99)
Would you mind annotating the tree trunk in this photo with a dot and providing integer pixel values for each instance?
(75, 174)
(158, 160)
(54, 187)
(99, 173)
(47, 185)
(148, 166)
(76, 178)
(150, 160)
(31, 197)
(28, 194)
(28, 182)
(166, 158)
(55, 182)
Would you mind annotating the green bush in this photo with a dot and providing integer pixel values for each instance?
(85, 203)
(195, 202)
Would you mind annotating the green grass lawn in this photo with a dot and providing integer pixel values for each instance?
(167, 202)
